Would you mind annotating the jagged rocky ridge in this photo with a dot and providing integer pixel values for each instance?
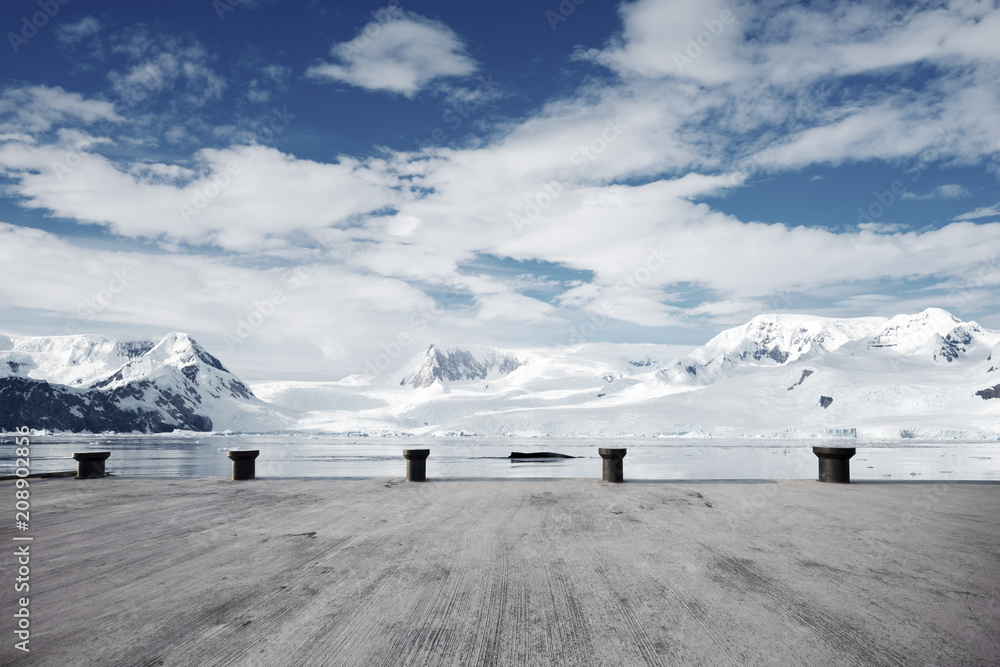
(453, 364)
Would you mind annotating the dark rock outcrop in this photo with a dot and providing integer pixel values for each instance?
(41, 405)
(989, 392)
(955, 344)
(825, 401)
(805, 374)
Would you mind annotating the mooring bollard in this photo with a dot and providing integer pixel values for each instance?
(834, 464)
(416, 464)
(243, 463)
(90, 464)
(613, 469)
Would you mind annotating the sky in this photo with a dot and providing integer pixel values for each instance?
(314, 189)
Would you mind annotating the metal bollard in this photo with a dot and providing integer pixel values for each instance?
(416, 464)
(243, 463)
(834, 464)
(90, 464)
(613, 468)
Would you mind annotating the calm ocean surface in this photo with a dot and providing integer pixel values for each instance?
(322, 456)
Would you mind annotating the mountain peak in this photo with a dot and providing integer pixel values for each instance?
(451, 363)
(778, 339)
(181, 349)
(92, 383)
(770, 339)
(931, 328)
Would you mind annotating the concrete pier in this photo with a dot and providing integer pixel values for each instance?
(416, 464)
(518, 572)
(614, 471)
(244, 465)
(90, 464)
(834, 464)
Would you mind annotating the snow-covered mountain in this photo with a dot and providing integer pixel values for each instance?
(98, 383)
(451, 363)
(776, 340)
(926, 375)
(767, 340)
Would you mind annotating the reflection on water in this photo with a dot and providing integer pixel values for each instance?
(320, 456)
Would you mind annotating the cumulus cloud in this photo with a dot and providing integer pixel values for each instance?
(780, 83)
(792, 44)
(398, 52)
(677, 38)
(607, 184)
(241, 198)
(36, 109)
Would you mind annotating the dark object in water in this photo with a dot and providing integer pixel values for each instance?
(539, 455)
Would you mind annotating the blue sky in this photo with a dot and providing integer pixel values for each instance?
(306, 187)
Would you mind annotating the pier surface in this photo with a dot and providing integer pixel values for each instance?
(506, 572)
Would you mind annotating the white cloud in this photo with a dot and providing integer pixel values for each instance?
(784, 98)
(158, 63)
(793, 44)
(947, 191)
(241, 199)
(70, 34)
(981, 212)
(398, 52)
(210, 296)
(640, 242)
(36, 109)
(677, 38)
(603, 184)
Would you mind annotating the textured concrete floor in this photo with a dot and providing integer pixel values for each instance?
(569, 572)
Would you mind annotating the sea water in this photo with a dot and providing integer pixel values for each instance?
(298, 455)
